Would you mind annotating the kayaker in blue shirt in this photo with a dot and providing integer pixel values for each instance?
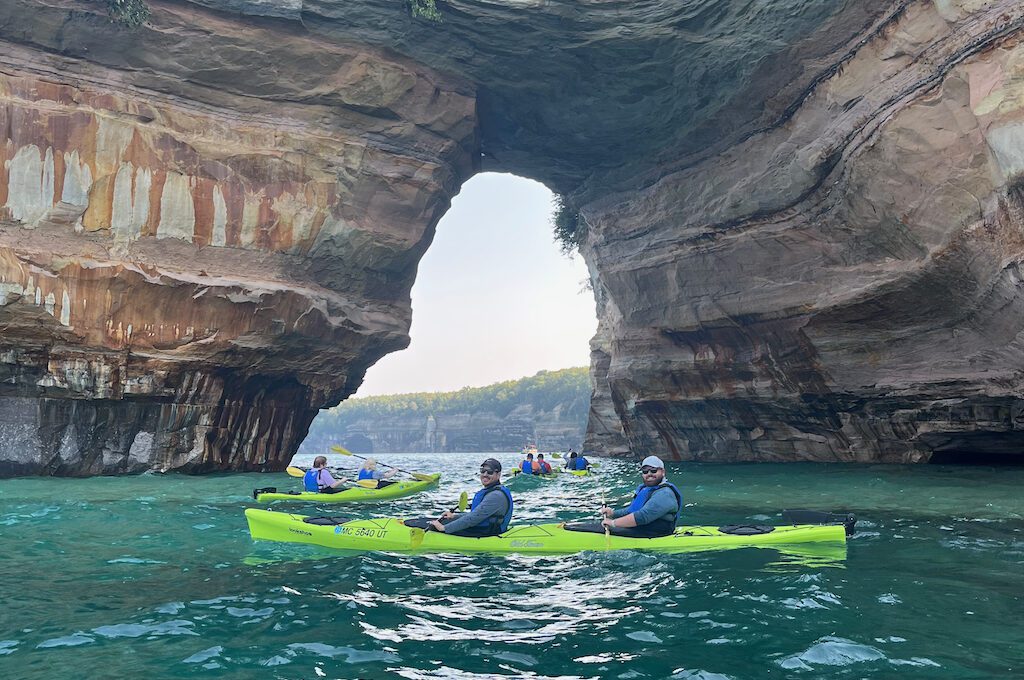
(318, 478)
(527, 465)
(655, 507)
(490, 511)
(576, 461)
(369, 471)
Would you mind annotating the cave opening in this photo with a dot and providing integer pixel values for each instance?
(981, 448)
(495, 297)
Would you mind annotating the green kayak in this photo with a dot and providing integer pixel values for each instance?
(356, 494)
(392, 535)
(578, 473)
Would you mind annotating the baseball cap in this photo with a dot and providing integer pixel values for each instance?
(492, 463)
(652, 461)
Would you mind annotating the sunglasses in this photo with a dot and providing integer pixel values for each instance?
(488, 471)
(648, 470)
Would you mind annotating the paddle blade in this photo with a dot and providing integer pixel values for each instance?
(421, 476)
(341, 449)
(367, 483)
(416, 537)
(294, 471)
(463, 501)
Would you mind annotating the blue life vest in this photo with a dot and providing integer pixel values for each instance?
(311, 480)
(643, 494)
(581, 463)
(493, 523)
(527, 467)
(365, 474)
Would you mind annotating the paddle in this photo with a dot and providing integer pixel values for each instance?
(415, 475)
(299, 472)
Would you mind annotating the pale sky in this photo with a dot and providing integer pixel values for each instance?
(494, 298)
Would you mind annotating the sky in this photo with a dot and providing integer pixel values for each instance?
(494, 299)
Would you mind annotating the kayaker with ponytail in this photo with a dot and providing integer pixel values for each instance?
(318, 478)
(369, 471)
(655, 507)
(490, 511)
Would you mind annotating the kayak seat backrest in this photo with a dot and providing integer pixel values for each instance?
(326, 521)
(746, 529)
(266, 489)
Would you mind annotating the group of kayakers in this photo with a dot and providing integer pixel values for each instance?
(539, 466)
(653, 511)
(318, 478)
(529, 466)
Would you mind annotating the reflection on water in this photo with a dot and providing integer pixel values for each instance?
(166, 583)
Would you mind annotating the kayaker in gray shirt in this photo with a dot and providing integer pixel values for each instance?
(655, 507)
(490, 511)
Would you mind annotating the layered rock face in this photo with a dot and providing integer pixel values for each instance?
(843, 283)
(803, 219)
(210, 230)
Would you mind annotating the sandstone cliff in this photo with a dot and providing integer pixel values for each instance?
(803, 219)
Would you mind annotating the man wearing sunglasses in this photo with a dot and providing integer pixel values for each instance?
(655, 508)
(490, 511)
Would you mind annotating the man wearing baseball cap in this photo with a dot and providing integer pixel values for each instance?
(490, 511)
(655, 508)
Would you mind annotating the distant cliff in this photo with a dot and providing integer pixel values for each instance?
(549, 408)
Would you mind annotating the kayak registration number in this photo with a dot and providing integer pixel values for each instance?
(360, 532)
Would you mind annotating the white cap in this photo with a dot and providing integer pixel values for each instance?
(652, 461)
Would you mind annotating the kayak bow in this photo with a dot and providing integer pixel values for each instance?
(390, 534)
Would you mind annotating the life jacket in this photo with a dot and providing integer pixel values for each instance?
(311, 480)
(581, 463)
(495, 524)
(527, 467)
(365, 474)
(545, 467)
(644, 493)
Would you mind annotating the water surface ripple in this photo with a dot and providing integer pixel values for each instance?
(156, 576)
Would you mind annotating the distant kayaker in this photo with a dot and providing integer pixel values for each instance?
(527, 465)
(655, 507)
(370, 471)
(318, 478)
(576, 461)
(490, 511)
(545, 467)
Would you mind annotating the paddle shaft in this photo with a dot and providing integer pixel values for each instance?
(346, 452)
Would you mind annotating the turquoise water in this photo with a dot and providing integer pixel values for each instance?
(156, 576)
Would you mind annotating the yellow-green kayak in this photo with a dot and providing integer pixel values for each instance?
(390, 534)
(356, 494)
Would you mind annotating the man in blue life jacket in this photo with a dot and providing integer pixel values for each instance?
(318, 478)
(490, 511)
(655, 507)
(576, 461)
(545, 467)
(526, 467)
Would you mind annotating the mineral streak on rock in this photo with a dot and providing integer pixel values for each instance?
(190, 269)
(803, 219)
